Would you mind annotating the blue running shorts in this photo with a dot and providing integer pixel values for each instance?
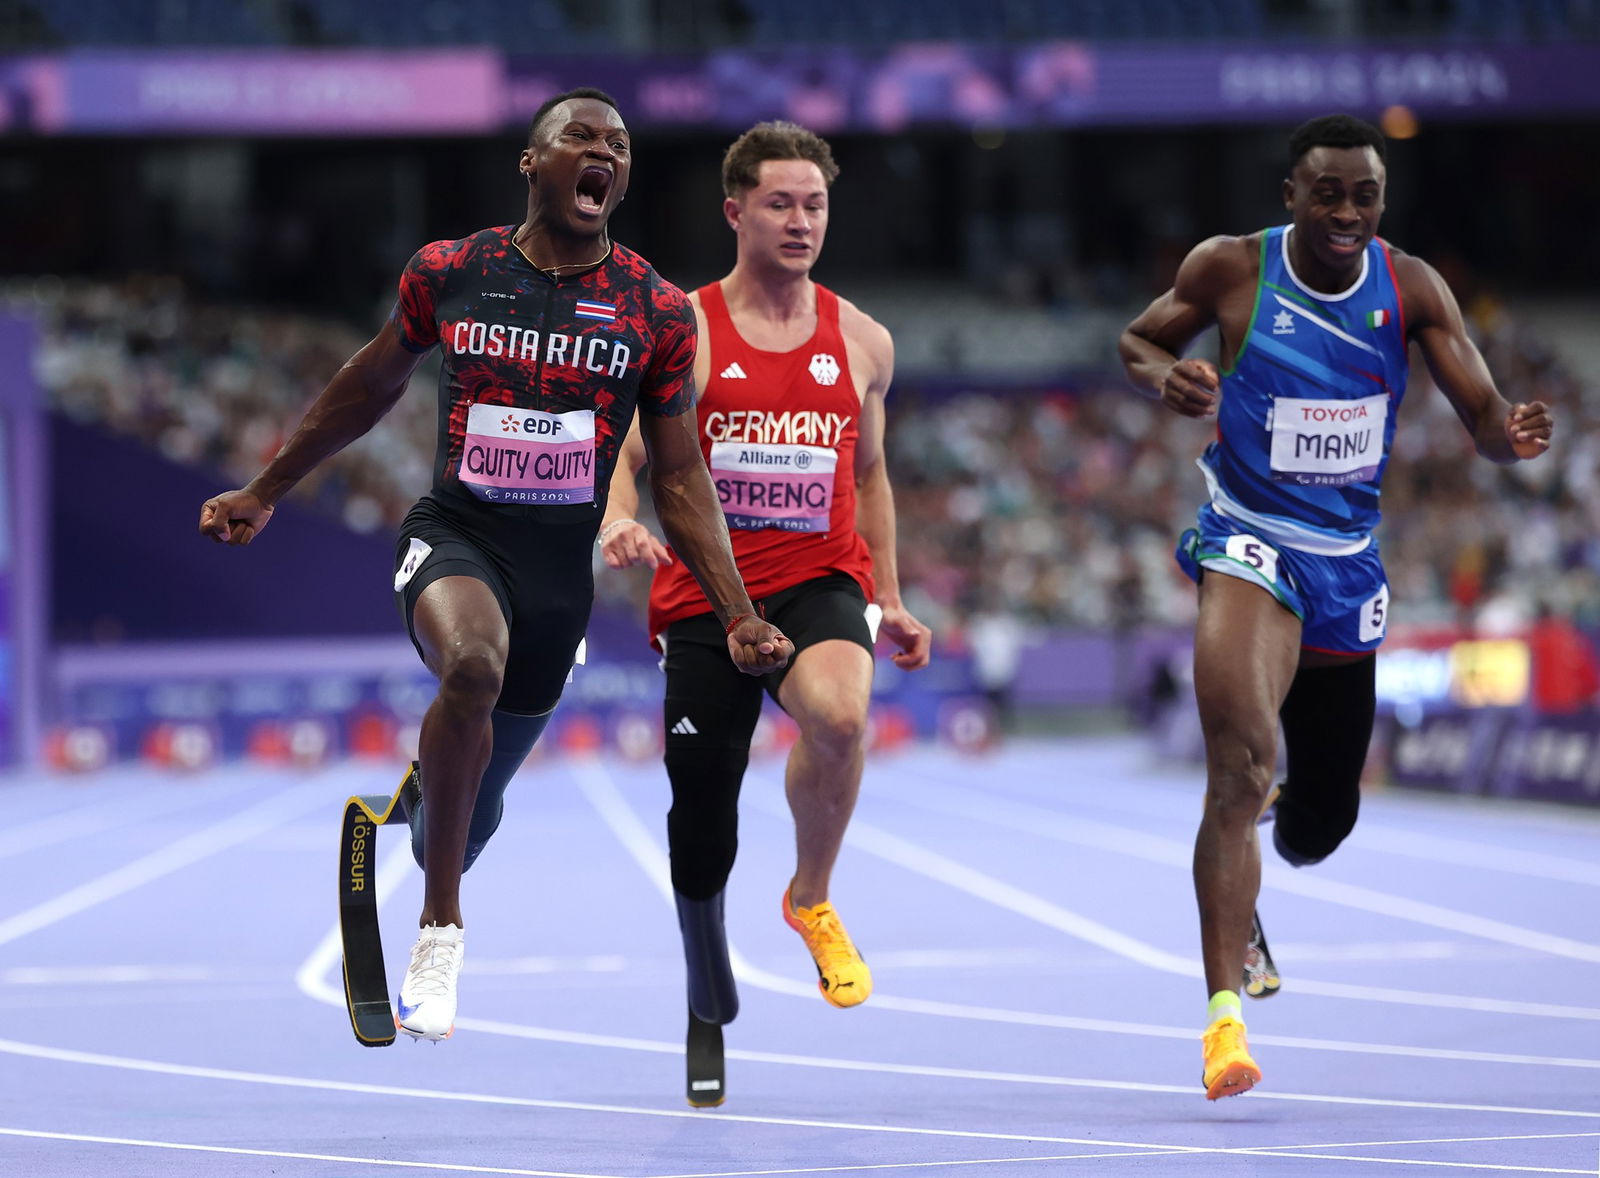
(1342, 601)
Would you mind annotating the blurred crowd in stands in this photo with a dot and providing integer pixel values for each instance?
(543, 26)
(1050, 505)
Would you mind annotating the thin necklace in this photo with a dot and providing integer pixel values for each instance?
(555, 271)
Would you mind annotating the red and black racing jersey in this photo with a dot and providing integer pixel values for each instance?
(541, 376)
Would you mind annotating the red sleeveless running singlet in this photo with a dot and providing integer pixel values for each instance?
(778, 430)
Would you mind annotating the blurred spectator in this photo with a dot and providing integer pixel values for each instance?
(1566, 673)
(216, 387)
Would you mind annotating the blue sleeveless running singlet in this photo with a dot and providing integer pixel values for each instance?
(1308, 408)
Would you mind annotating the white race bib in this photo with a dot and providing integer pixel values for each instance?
(1255, 552)
(1323, 443)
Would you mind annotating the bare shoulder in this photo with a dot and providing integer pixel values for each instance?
(1223, 258)
(699, 309)
(1411, 272)
(1423, 290)
(865, 332)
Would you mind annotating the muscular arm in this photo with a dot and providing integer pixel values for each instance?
(360, 393)
(875, 518)
(875, 514)
(624, 541)
(1151, 345)
(1501, 432)
(686, 503)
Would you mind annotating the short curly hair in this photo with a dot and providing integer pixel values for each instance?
(1335, 131)
(777, 140)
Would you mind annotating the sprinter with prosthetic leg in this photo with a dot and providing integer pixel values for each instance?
(552, 338)
(791, 417)
(1316, 319)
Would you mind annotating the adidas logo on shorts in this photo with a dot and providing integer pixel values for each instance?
(685, 727)
(733, 372)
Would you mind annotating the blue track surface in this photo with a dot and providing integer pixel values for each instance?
(169, 983)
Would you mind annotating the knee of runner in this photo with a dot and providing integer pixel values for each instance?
(841, 728)
(1238, 776)
(471, 675)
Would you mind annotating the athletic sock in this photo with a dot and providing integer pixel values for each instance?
(1224, 1004)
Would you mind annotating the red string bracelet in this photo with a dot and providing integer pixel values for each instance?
(737, 618)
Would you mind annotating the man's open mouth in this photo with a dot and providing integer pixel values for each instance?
(593, 184)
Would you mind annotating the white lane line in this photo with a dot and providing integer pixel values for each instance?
(602, 792)
(152, 1066)
(1324, 952)
(457, 1168)
(158, 1067)
(92, 1139)
(1286, 879)
(47, 999)
(1376, 1161)
(1164, 802)
(933, 1071)
(944, 870)
(873, 1167)
(1158, 1031)
(1435, 848)
(202, 844)
(56, 976)
(96, 817)
(932, 865)
(117, 975)
(1150, 1154)
(1387, 1143)
(1038, 820)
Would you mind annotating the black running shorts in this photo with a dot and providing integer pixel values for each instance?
(538, 571)
(826, 607)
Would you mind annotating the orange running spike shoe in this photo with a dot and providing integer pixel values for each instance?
(1229, 1068)
(842, 976)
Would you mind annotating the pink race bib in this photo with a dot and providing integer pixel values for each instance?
(774, 485)
(528, 456)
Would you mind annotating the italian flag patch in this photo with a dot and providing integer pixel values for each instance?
(1377, 318)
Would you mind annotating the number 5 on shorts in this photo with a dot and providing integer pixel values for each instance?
(1375, 616)
(1256, 553)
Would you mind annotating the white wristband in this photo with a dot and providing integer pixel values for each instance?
(605, 531)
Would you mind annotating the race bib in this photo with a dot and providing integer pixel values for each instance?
(1256, 553)
(774, 485)
(1327, 443)
(1374, 621)
(527, 456)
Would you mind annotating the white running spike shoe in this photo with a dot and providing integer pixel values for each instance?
(428, 994)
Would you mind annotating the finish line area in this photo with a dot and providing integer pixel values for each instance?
(172, 977)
